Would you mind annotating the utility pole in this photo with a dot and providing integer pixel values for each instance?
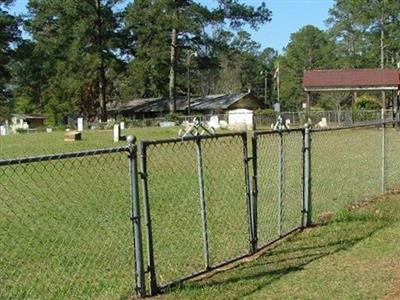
(382, 48)
(266, 87)
(172, 79)
(188, 79)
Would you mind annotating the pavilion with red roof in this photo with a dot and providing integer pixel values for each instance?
(353, 80)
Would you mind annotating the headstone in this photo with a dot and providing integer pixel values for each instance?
(80, 124)
(277, 107)
(49, 130)
(167, 124)
(2, 130)
(116, 133)
(72, 136)
(323, 123)
(223, 124)
(214, 122)
(122, 125)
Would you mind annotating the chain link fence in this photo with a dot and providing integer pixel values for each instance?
(65, 231)
(67, 220)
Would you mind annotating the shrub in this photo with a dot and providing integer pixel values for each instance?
(367, 102)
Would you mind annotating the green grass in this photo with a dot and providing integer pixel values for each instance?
(65, 228)
(49, 143)
(355, 256)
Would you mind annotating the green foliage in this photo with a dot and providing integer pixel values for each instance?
(367, 102)
(309, 48)
(173, 117)
(9, 34)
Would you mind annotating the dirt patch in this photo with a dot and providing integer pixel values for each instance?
(394, 292)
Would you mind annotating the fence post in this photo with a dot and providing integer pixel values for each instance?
(280, 180)
(254, 198)
(147, 219)
(200, 172)
(307, 203)
(250, 208)
(383, 156)
(135, 217)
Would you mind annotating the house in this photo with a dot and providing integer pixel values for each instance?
(211, 104)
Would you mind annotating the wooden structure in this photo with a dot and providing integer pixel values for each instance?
(354, 80)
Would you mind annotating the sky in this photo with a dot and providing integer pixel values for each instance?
(288, 16)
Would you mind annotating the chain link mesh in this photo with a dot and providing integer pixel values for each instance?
(346, 168)
(280, 167)
(65, 230)
(226, 198)
(176, 210)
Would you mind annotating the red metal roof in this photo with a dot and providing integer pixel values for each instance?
(354, 78)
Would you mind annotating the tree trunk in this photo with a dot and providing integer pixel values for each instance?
(172, 79)
(101, 67)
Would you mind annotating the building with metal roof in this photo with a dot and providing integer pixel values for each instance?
(153, 107)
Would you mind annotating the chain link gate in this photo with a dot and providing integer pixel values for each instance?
(196, 196)
(278, 167)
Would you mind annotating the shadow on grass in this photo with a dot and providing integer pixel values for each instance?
(290, 256)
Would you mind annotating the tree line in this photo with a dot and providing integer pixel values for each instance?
(76, 56)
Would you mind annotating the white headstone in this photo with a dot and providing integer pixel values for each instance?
(49, 130)
(2, 130)
(122, 125)
(277, 107)
(323, 123)
(214, 122)
(80, 124)
(116, 133)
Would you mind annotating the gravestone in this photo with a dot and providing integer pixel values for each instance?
(122, 125)
(116, 133)
(72, 136)
(49, 130)
(80, 124)
(214, 122)
(2, 130)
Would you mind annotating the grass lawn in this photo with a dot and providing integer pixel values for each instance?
(49, 143)
(355, 256)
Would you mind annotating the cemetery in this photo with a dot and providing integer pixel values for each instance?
(190, 150)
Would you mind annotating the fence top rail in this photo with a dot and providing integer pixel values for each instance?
(272, 132)
(356, 126)
(59, 156)
(176, 140)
